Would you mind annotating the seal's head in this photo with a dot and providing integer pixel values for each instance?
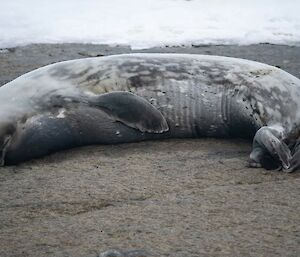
(7, 130)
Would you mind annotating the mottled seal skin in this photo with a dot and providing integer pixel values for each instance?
(133, 97)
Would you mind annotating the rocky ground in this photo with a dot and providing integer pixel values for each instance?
(192, 197)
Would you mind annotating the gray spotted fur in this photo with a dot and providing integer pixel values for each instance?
(197, 95)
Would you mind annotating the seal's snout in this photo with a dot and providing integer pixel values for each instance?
(3, 148)
(6, 132)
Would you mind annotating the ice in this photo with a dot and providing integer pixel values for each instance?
(148, 23)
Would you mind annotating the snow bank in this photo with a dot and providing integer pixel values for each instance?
(147, 23)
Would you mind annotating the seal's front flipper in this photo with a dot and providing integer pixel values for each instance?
(269, 151)
(132, 110)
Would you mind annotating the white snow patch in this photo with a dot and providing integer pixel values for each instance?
(148, 23)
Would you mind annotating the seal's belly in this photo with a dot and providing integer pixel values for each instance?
(191, 107)
(191, 110)
(198, 98)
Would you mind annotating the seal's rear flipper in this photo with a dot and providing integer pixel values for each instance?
(269, 151)
(295, 162)
(132, 110)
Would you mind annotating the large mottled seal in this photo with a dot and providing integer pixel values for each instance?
(126, 98)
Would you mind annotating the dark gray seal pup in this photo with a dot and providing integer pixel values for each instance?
(133, 97)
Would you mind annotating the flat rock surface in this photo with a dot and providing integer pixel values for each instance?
(180, 197)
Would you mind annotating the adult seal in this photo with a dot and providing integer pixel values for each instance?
(133, 97)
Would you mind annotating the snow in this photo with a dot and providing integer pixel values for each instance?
(148, 23)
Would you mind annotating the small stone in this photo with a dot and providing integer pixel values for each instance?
(111, 253)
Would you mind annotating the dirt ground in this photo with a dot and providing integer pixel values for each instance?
(177, 198)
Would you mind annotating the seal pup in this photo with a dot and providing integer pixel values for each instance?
(133, 97)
